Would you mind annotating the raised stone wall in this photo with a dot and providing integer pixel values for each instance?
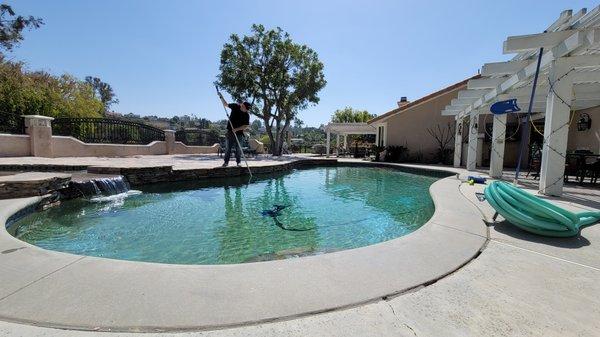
(156, 174)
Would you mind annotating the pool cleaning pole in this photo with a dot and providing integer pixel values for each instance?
(235, 135)
(524, 131)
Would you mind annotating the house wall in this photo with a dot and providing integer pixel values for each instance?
(409, 127)
(511, 148)
(588, 139)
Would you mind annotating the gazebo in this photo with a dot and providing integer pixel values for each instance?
(568, 81)
(345, 129)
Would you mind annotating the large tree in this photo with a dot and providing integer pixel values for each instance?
(25, 92)
(278, 76)
(103, 91)
(350, 115)
(12, 26)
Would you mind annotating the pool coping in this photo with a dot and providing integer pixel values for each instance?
(59, 290)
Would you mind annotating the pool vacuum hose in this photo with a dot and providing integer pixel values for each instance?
(534, 214)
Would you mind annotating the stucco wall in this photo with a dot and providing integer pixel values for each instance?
(14, 145)
(409, 127)
(181, 148)
(588, 139)
(71, 147)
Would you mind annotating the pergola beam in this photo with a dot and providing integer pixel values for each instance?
(462, 101)
(485, 83)
(517, 44)
(583, 61)
(472, 93)
(502, 68)
(586, 77)
(577, 40)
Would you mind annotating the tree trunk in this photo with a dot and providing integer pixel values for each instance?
(270, 134)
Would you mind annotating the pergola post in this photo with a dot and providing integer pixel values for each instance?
(472, 148)
(497, 153)
(556, 129)
(337, 145)
(458, 130)
(346, 141)
(328, 143)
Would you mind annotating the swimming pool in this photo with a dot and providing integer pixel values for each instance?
(224, 221)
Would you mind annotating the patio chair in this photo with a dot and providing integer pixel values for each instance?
(590, 170)
(248, 151)
(573, 167)
(535, 161)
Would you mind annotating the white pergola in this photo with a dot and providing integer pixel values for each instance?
(345, 129)
(569, 79)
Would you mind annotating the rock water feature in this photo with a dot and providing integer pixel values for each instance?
(98, 189)
(101, 186)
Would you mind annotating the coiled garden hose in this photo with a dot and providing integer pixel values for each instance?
(534, 214)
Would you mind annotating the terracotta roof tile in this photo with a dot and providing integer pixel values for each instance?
(422, 99)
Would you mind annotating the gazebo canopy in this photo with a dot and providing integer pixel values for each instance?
(346, 129)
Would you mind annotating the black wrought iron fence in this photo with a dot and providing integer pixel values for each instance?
(10, 123)
(107, 130)
(197, 137)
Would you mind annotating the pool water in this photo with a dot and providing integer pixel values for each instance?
(227, 221)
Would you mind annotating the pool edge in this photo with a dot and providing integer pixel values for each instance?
(390, 248)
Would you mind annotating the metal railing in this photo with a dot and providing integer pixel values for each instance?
(107, 130)
(197, 137)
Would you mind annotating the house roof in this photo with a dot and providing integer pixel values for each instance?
(422, 100)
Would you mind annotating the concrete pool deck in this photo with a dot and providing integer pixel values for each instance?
(510, 289)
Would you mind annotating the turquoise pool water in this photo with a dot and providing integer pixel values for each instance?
(224, 221)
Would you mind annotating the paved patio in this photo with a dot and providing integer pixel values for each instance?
(179, 162)
(520, 285)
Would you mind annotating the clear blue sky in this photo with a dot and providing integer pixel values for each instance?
(161, 57)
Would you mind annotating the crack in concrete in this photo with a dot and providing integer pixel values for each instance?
(41, 278)
(398, 318)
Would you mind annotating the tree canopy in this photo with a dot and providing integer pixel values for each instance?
(29, 93)
(350, 115)
(103, 91)
(12, 26)
(278, 76)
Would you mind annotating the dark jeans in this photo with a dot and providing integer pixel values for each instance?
(231, 145)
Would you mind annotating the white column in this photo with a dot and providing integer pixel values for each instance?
(458, 130)
(556, 129)
(345, 141)
(328, 143)
(497, 153)
(337, 145)
(473, 133)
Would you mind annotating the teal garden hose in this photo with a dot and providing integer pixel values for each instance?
(534, 214)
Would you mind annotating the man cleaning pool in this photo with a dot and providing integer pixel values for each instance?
(239, 120)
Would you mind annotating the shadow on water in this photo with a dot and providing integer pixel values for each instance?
(509, 229)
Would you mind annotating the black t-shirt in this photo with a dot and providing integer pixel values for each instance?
(237, 117)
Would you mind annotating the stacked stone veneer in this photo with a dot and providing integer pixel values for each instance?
(156, 174)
